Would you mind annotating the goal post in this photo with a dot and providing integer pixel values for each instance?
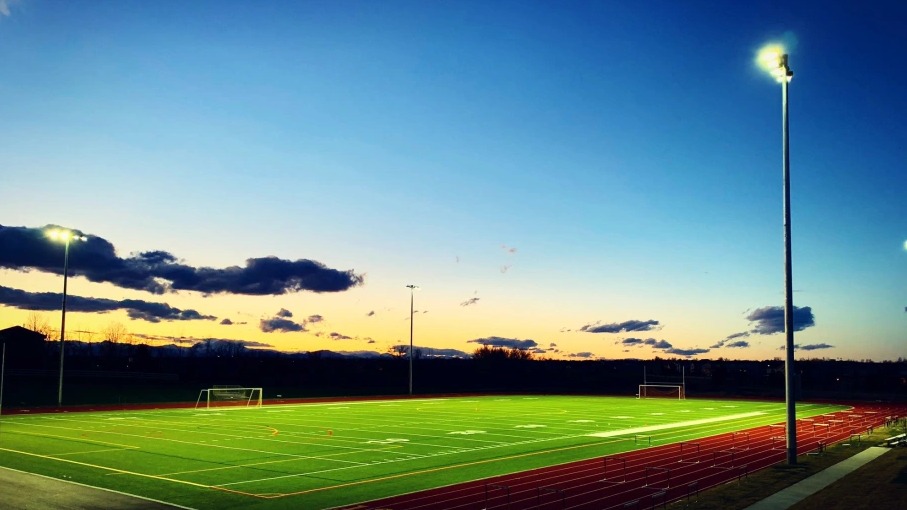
(228, 397)
(662, 391)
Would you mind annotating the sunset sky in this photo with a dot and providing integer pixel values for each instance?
(582, 179)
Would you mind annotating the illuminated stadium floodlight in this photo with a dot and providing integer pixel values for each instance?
(412, 288)
(774, 60)
(66, 237)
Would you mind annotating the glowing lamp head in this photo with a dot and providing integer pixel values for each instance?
(63, 235)
(773, 60)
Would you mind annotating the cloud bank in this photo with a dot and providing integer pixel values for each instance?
(510, 343)
(135, 308)
(661, 345)
(158, 272)
(622, 327)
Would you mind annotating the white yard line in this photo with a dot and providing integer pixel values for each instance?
(688, 423)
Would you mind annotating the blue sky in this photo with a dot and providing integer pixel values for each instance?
(535, 167)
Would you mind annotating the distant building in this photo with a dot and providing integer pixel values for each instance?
(24, 347)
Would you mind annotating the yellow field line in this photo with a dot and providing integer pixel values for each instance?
(413, 473)
(106, 468)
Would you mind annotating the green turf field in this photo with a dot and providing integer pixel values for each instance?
(321, 455)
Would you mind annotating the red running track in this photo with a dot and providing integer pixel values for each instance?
(650, 477)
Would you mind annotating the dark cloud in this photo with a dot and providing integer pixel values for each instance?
(814, 347)
(510, 343)
(283, 312)
(686, 352)
(655, 344)
(770, 319)
(470, 301)
(280, 325)
(721, 343)
(658, 344)
(584, 355)
(337, 336)
(623, 327)
(227, 322)
(314, 319)
(135, 308)
(738, 344)
(23, 248)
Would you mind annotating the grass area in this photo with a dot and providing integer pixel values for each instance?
(320, 455)
(883, 480)
(880, 484)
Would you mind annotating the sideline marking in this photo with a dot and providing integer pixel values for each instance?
(688, 423)
(75, 439)
(113, 469)
(91, 451)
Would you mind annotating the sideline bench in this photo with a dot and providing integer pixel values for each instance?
(896, 440)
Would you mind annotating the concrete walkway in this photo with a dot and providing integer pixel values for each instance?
(806, 488)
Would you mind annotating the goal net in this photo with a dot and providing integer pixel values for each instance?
(661, 391)
(228, 396)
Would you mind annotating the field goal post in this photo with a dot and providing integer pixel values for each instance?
(228, 395)
(666, 386)
(662, 391)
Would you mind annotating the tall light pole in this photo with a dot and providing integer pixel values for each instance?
(412, 288)
(774, 60)
(66, 236)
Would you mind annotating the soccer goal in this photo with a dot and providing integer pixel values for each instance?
(661, 391)
(228, 396)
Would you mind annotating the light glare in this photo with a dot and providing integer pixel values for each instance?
(58, 234)
(769, 57)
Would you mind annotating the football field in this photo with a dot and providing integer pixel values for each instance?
(329, 454)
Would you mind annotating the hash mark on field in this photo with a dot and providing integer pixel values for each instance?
(390, 440)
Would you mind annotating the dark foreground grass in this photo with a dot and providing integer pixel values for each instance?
(882, 483)
(338, 453)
